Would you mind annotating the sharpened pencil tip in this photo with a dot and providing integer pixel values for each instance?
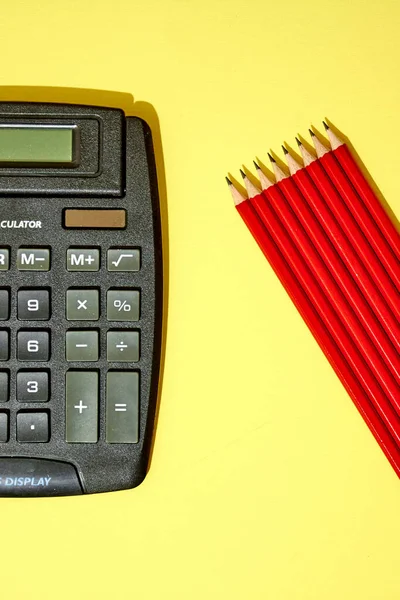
(325, 125)
(228, 181)
(298, 142)
(243, 174)
(257, 166)
(311, 133)
(285, 151)
(271, 158)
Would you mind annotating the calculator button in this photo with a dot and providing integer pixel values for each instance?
(82, 346)
(33, 345)
(3, 427)
(122, 412)
(123, 346)
(33, 305)
(82, 305)
(82, 399)
(4, 305)
(4, 345)
(4, 259)
(33, 259)
(4, 386)
(83, 259)
(123, 305)
(33, 386)
(123, 259)
(33, 427)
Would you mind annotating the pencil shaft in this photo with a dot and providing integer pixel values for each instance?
(390, 332)
(362, 216)
(364, 190)
(333, 277)
(316, 323)
(334, 323)
(340, 210)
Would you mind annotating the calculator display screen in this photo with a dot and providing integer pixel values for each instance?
(38, 145)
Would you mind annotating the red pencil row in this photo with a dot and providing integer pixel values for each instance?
(337, 253)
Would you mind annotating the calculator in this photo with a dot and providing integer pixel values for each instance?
(80, 299)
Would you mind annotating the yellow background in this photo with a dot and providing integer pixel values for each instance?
(265, 483)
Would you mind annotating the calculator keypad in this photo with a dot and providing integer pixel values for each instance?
(83, 259)
(83, 305)
(82, 399)
(33, 345)
(33, 259)
(4, 259)
(81, 308)
(4, 386)
(4, 345)
(33, 305)
(3, 427)
(33, 386)
(4, 305)
(82, 346)
(123, 346)
(123, 305)
(33, 427)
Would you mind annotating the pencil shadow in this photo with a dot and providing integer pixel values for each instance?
(324, 140)
(294, 152)
(145, 111)
(366, 173)
(307, 145)
(266, 170)
(281, 163)
(253, 178)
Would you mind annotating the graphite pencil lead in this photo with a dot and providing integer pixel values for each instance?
(333, 139)
(228, 181)
(298, 142)
(310, 131)
(325, 125)
(264, 180)
(243, 174)
(293, 165)
(237, 196)
(307, 157)
(251, 189)
(319, 146)
(279, 174)
(257, 166)
(285, 150)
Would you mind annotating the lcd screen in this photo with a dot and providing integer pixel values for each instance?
(38, 145)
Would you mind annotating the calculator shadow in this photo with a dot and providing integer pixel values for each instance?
(143, 110)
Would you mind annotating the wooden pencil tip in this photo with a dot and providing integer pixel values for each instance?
(243, 174)
(325, 125)
(298, 142)
(285, 151)
(228, 181)
(257, 166)
(311, 133)
(271, 158)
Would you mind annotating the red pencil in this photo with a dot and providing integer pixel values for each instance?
(364, 190)
(329, 271)
(310, 189)
(359, 210)
(322, 321)
(350, 227)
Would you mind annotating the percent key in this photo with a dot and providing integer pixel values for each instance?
(123, 305)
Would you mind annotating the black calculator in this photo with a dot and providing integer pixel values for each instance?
(80, 299)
